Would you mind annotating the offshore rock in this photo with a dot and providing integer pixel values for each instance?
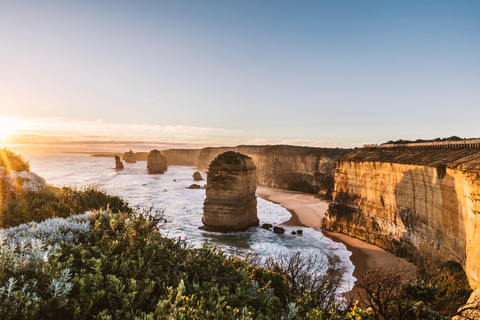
(266, 226)
(194, 186)
(278, 230)
(231, 204)
(118, 163)
(156, 162)
(197, 176)
(129, 157)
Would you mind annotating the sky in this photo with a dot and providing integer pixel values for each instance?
(117, 75)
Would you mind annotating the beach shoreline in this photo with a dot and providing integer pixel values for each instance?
(308, 210)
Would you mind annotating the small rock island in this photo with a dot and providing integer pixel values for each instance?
(118, 163)
(129, 157)
(156, 162)
(231, 204)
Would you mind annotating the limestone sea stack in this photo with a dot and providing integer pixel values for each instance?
(231, 204)
(129, 157)
(118, 163)
(156, 162)
(197, 176)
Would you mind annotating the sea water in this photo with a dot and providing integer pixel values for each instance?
(182, 208)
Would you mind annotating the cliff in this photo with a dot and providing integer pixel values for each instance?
(423, 204)
(182, 157)
(305, 169)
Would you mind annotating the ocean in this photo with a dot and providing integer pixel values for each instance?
(183, 208)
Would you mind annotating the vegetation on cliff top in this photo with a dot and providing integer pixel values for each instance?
(25, 197)
(401, 141)
(13, 161)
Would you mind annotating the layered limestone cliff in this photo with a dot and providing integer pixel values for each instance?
(231, 204)
(305, 169)
(182, 157)
(423, 204)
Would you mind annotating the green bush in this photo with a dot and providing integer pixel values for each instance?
(13, 161)
(48, 202)
(128, 270)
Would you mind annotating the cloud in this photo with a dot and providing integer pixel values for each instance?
(63, 135)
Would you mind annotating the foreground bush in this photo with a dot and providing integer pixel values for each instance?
(435, 296)
(123, 268)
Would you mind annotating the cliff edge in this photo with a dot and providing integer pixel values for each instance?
(423, 204)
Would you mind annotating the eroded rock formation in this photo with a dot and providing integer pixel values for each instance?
(156, 162)
(231, 204)
(423, 204)
(118, 163)
(129, 157)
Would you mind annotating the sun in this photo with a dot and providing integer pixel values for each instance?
(7, 127)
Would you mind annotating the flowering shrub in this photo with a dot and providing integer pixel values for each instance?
(50, 231)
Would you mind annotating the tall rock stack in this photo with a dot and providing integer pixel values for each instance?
(118, 163)
(129, 157)
(156, 162)
(231, 204)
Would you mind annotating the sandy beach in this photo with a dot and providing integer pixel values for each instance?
(308, 210)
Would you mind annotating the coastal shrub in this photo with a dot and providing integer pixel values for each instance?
(435, 296)
(304, 273)
(123, 268)
(453, 289)
(21, 207)
(13, 161)
(51, 231)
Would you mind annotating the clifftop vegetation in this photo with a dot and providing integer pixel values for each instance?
(401, 141)
(26, 197)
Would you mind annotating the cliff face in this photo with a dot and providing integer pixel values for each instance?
(231, 204)
(423, 204)
(303, 169)
(182, 157)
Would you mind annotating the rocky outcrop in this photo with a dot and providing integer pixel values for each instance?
(304, 169)
(423, 204)
(231, 204)
(156, 162)
(129, 157)
(118, 163)
(197, 176)
(194, 186)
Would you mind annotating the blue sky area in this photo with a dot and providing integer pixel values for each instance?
(198, 73)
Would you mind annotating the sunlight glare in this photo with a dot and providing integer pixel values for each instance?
(8, 125)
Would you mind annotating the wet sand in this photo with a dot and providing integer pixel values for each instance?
(308, 210)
